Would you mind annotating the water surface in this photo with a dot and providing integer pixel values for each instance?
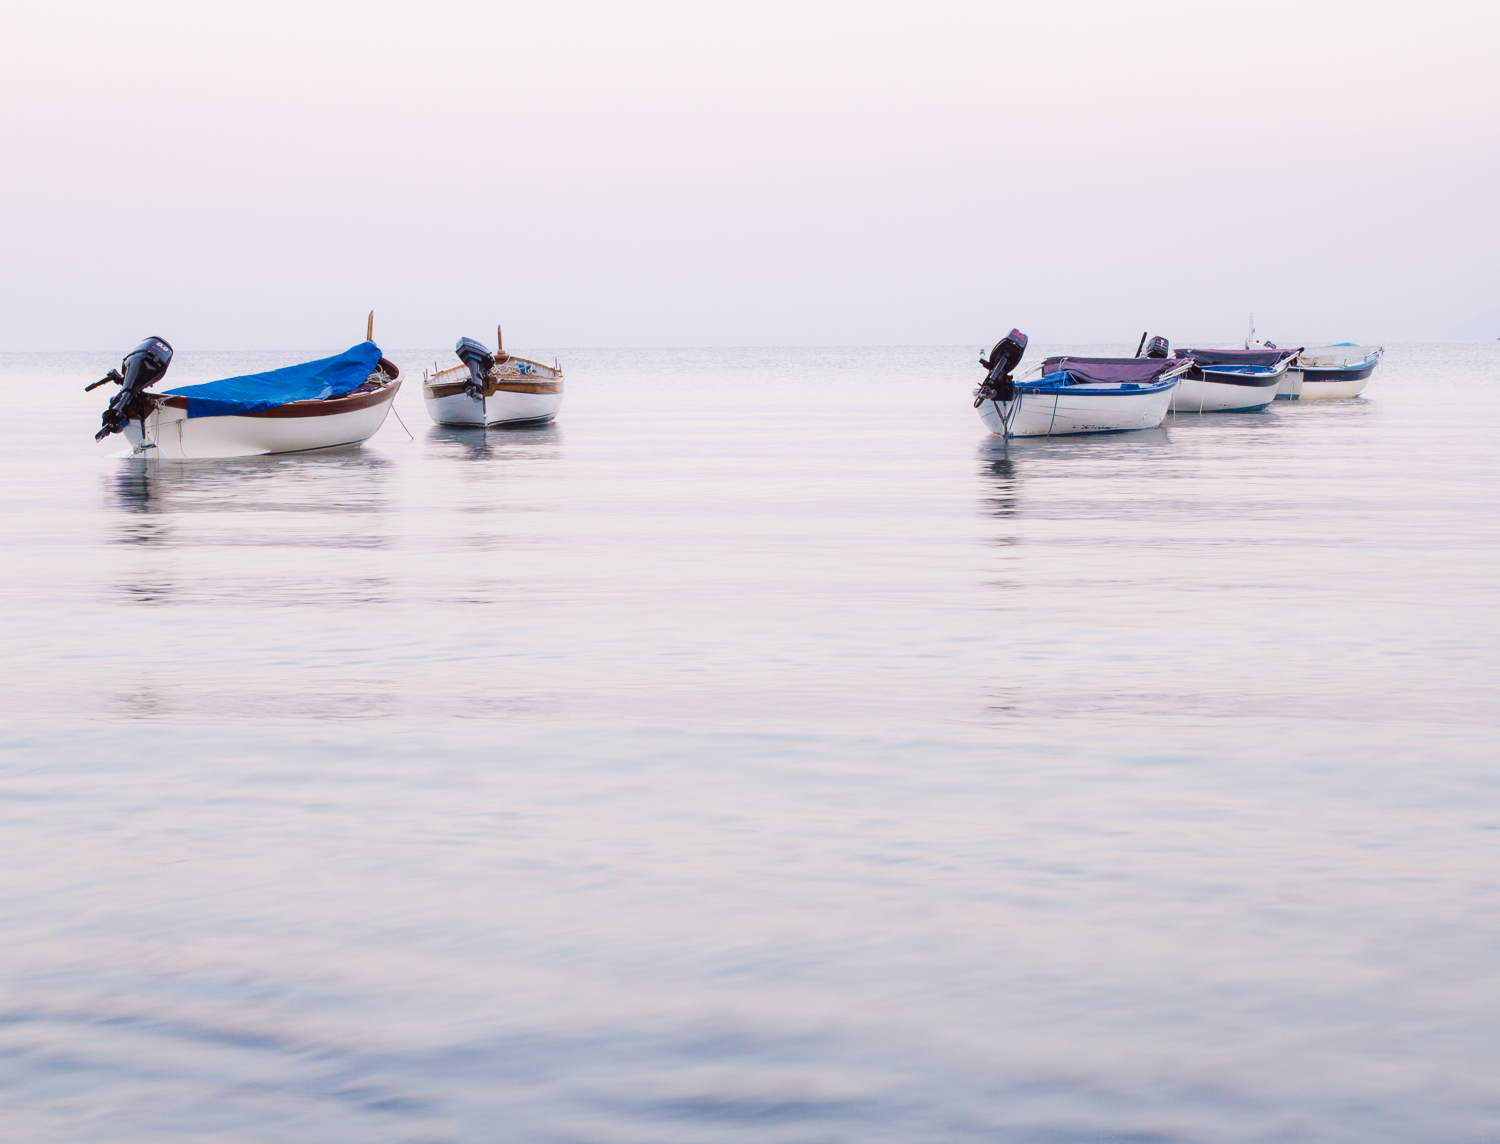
(761, 753)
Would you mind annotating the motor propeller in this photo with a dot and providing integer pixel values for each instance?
(142, 368)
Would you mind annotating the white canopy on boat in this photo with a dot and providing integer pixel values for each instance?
(1335, 357)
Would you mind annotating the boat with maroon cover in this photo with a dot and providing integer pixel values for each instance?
(1073, 394)
(1231, 381)
(325, 404)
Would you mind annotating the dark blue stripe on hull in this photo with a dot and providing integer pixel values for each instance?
(1358, 374)
(1254, 381)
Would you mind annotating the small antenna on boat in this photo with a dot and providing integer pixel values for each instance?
(370, 328)
(499, 342)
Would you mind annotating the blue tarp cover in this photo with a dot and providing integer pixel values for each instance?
(329, 377)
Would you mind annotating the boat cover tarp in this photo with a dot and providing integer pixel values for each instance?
(310, 381)
(1236, 357)
(1337, 357)
(1110, 371)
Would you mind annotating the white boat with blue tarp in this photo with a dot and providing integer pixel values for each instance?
(1073, 395)
(324, 404)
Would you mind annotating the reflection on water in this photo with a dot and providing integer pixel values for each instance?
(778, 757)
(190, 513)
(523, 442)
(338, 481)
(1000, 491)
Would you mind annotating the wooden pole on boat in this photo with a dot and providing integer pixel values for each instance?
(370, 328)
(1143, 342)
(499, 342)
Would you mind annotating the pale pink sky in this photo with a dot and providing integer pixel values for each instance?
(246, 176)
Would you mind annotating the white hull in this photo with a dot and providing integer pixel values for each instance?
(500, 408)
(169, 432)
(1206, 394)
(1057, 414)
(1329, 390)
(1294, 388)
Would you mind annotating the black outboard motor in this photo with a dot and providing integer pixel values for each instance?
(143, 367)
(1158, 347)
(479, 360)
(999, 385)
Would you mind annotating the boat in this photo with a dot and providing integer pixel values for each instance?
(324, 404)
(1321, 373)
(1326, 372)
(1073, 395)
(487, 389)
(1231, 381)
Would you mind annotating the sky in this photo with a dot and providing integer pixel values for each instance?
(259, 176)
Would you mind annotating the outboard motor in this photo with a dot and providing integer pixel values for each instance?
(143, 367)
(999, 385)
(479, 360)
(1158, 347)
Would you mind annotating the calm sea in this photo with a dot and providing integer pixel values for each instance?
(761, 754)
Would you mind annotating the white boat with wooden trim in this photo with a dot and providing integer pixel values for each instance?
(325, 404)
(1073, 395)
(487, 389)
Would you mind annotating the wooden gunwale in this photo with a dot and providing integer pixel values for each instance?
(325, 407)
(434, 388)
(453, 388)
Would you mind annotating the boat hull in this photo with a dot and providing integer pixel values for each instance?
(1055, 414)
(297, 427)
(1226, 392)
(1327, 374)
(503, 407)
(1329, 384)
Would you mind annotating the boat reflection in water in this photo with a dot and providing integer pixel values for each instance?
(270, 511)
(514, 442)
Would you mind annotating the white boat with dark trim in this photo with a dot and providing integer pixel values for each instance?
(325, 404)
(493, 389)
(1322, 373)
(1231, 381)
(1073, 395)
